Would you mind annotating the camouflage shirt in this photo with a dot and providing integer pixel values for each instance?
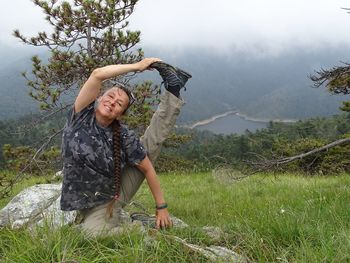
(88, 165)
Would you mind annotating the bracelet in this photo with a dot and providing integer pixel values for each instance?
(161, 206)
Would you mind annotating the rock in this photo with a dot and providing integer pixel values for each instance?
(36, 205)
(59, 174)
(55, 216)
(213, 253)
(224, 254)
(178, 222)
(215, 233)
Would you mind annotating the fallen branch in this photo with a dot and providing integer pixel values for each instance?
(265, 164)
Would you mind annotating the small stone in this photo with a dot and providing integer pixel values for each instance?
(226, 255)
(215, 233)
(178, 223)
(59, 174)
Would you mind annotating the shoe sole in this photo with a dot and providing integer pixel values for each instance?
(180, 74)
(174, 69)
(187, 75)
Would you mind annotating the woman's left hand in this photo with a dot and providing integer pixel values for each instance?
(145, 63)
(163, 219)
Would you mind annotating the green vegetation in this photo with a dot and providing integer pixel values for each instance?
(267, 218)
(100, 34)
(68, 245)
(193, 150)
(30, 130)
(271, 218)
(207, 150)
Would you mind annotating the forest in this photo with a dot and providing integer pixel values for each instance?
(204, 150)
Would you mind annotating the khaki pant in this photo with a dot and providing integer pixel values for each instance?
(95, 220)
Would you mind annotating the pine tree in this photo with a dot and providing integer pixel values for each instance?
(336, 80)
(86, 34)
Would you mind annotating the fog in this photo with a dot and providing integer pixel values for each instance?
(250, 25)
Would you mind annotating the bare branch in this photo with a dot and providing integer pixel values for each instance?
(265, 164)
(6, 190)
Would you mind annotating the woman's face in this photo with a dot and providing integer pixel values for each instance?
(113, 103)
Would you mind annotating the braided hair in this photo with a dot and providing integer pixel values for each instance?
(117, 166)
(116, 152)
(116, 156)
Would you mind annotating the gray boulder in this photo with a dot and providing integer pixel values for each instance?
(34, 206)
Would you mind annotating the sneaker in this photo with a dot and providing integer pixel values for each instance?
(174, 78)
(145, 219)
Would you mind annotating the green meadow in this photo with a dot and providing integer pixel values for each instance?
(266, 218)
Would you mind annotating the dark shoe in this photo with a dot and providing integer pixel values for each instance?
(145, 219)
(174, 78)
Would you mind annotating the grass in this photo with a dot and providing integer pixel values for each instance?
(27, 181)
(283, 218)
(69, 245)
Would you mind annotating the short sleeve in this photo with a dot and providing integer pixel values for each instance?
(73, 118)
(134, 150)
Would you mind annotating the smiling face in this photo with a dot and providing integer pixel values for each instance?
(112, 105)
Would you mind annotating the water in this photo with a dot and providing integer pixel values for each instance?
(232, 124)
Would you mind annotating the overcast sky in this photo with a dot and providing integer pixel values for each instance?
(242, 24)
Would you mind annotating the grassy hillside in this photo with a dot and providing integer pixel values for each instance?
(281, 218)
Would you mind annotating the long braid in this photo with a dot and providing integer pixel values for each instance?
(117, 157)
(117, 165)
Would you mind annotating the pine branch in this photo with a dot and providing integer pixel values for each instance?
(336, 79)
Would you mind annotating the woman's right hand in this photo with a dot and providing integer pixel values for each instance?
(145, 63)
(163, 219)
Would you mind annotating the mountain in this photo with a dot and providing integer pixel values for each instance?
(14, 99)
(259, 85)
(264, 86)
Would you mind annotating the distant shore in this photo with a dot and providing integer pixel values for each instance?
(244, 116)
(211, 119)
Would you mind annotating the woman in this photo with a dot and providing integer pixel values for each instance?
(104, 162)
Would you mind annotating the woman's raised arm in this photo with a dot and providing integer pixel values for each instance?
(91, 88)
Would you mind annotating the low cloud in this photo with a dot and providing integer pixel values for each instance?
(270, 25)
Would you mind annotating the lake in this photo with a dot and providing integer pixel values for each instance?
(232, 124)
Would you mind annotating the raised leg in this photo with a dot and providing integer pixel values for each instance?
(162, 123)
